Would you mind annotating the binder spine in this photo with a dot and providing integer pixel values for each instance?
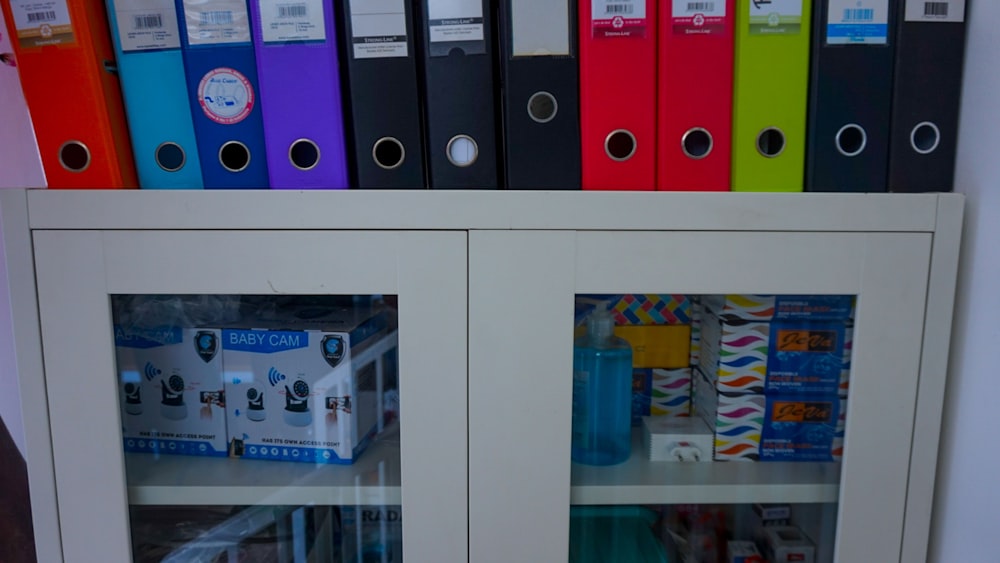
(618, 95)
(850, 95)
(770, 95)
(926, 95)
(151, 69)
(222, 88)
(385, 133)
(296, 53)
(540, 94)
(456, 39)
(695, 95)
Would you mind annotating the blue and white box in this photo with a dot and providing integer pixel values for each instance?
(306, 394)
(171, 388)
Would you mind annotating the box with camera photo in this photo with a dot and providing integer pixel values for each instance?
(171, 389)
(306, 394)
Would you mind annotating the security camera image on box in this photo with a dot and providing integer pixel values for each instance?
(308, 393)
(165, 374)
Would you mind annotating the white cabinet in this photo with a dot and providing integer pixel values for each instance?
(486, 284)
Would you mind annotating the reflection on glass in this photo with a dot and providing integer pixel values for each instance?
(251, 534)
(731, 396)
(273, 420)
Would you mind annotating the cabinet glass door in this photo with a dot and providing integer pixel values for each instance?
(693, 396)
(238, 396)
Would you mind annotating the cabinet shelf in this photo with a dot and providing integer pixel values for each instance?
(639, 481)
(186, 480)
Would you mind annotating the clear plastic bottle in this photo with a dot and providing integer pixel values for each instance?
(602, 394)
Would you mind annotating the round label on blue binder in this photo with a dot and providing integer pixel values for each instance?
(226, 96)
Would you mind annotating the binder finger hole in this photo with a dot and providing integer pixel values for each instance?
(170, 157)
(620, 145)
(74, 156)
(304, 154)
(234, 156)
(696, 143)
(771, 142)
(925, 137)
(851, 140)
(462, 151)
(542, 107)
(388, 153)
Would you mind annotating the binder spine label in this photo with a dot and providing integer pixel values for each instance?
(147, 25)
(378, 29)
(618, 18)
(857, 22)
(287, 22)
(775, 17)
(540, 28)
(698, 17)
(42, 23)
(455, 20)
(216, 22)
(226, 96)
(942, 11)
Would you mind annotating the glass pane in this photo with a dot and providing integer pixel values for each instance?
(260, 428)
(703, 421)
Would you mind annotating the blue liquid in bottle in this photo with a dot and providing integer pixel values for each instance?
(602, 394)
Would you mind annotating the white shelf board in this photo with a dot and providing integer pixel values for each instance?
(189, 480)
(480, 209)
(638, 481)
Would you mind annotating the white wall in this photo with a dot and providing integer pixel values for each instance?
(967, 500)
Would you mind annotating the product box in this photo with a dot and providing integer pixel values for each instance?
(787, 544)
(837, 449)
(780, 307)
(845, 367)
(754, 427)
(660, 392)
(171, 389)
(651, 309)
(371, 534)
(658, 346)
(696, 313)
(743, 552)
(313, 395)
(677, 439)
(787, 357)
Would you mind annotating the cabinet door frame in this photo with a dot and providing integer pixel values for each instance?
(522, 288)
(78, 271)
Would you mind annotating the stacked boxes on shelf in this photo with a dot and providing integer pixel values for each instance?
(659, 329)
(771, 374)
(319, 389)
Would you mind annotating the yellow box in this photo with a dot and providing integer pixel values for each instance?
(658, 346)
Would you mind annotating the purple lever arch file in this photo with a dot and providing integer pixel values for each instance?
(300, 94)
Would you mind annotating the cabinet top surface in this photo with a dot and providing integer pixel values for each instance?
(471, 210)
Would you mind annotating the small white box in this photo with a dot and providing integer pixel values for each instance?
(677, 439)
(743, 552)
(312, 396)
(787, 544)
(171, 389)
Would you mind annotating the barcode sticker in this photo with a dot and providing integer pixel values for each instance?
(147, 25)
(938, 11)
(775, 17)
(42, 23)
(857, 22)
(699, 18)
(284, 22)
(451, 21)
(378, 29)
(216, 22)
(618, 18)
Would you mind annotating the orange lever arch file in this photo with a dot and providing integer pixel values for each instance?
(64, 54)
